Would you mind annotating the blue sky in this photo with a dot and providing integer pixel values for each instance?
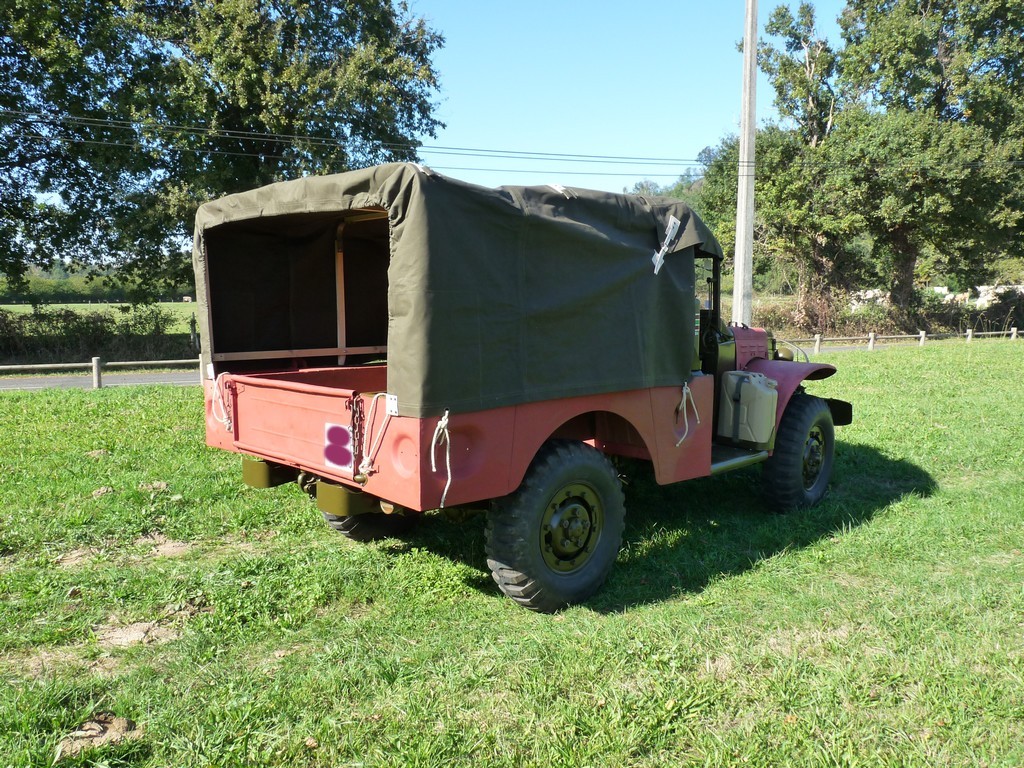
(651, 78)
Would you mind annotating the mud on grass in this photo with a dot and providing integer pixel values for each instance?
(224, 626)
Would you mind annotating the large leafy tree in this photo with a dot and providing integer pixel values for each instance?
(801, 65)
(798, 200)
(800, 232)
(958, 60)
(905, 135)
(124, 116)
(804, 234)
(924, 186)
(50, 55)
(940, 142)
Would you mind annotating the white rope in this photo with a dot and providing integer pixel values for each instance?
(221, 412)
(687, 395)
(366, 465)
(441, 434)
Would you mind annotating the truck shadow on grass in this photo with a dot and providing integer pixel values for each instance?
(681, 537)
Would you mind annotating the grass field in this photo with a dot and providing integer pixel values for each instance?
(181, 311)
(147, 591)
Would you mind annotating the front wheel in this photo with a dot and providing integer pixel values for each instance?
(553, 541)
(798, 473)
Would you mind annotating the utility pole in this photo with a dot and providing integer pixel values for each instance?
(743, 264)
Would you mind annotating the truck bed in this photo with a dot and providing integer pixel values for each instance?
(303, 418)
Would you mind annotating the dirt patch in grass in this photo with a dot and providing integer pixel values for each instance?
(138, 633)
(76, 557)
(161, 546)
(719, 667)
(158, 544)
(798, 642)
(101, 730)
(170, 549)
(42, 661)
(46, 660)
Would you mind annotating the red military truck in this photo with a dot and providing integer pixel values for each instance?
(397, 341)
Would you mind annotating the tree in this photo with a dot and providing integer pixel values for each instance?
(48, 58)
(685, 188)
(958, 60)
(802, 72)
(921, 185)
(890, 144)
(127, 116)
(797, 217)
(801, 227)
(944, 151)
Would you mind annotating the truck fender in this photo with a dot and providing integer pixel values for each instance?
(790, 375)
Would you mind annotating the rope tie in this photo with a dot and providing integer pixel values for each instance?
(366, 465)
(442, 435)
(219, 407)
(681, 408)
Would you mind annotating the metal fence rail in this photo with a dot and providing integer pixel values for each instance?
(97, 365)
(818, 340)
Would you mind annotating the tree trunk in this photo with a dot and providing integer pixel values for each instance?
(901, 286)
(817, 301)
(817, 308)
(901, 282)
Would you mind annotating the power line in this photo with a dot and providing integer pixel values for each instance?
(314, 141)
(555, 173)
(203, 151)
(320, 141)
(682, 165)
(198, 150)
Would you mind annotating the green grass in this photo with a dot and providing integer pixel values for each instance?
(883, 627)
(181, 311)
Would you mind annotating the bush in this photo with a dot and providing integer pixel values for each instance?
(867, 318)
(928, 313)
(1006, 312)
(67, 336)
(777, 317)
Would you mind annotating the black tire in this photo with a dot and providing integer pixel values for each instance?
(570, 487)
(370, 526)
(798, 473)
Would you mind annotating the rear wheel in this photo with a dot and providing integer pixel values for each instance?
(370, 526)
(554, 540)
(798, 473)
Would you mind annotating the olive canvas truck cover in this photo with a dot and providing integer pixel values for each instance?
(495, 297)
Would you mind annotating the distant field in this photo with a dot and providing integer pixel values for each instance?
(182, 311)
(228, 626)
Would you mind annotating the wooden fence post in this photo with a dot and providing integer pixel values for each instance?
(923, 335)
(817, 343)
(871, 341)
(1013, 332)
(97, 373)
(970, 334)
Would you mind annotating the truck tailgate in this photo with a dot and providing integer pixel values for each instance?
(302, 418)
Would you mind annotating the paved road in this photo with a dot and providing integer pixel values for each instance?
(83, 380)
